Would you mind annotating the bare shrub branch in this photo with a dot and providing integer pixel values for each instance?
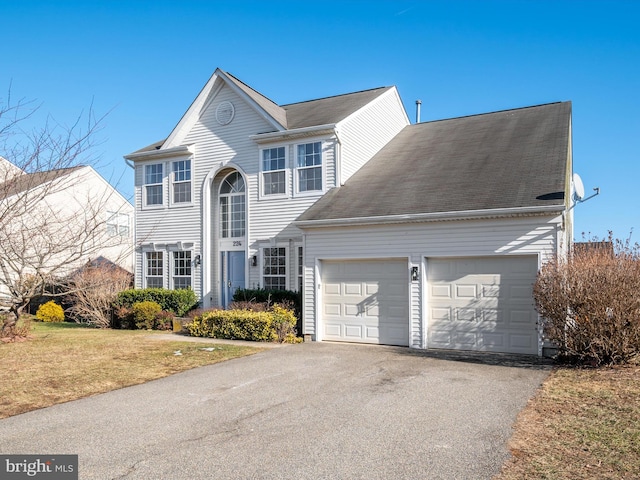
(591, 302)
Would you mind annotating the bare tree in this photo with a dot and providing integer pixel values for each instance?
(51, 219)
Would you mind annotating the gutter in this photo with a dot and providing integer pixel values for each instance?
(432, 217)
(169, 152)
(296, 132)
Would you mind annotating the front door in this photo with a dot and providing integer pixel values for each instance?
(233, 268)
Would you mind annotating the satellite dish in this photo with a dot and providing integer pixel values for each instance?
(578, 188)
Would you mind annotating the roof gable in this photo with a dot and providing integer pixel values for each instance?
(28, 181)
(509, 159)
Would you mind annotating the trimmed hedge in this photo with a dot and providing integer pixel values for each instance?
(50, 312)
(177, 301)
(277, 324)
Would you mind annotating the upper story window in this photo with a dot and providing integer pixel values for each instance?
(233, 206)
(273, 171)
(309, 167)
(153, 184)
(181, 181)
(117, 224)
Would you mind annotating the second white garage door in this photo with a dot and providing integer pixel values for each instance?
(482, 304)
(365, 301)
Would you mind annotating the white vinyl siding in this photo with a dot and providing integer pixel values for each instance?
(518, 236)
(364, 133)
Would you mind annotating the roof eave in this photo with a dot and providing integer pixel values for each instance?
(434, 217)
(294, 133)
(161, 153)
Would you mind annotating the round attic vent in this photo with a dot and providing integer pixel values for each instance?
(225, 113)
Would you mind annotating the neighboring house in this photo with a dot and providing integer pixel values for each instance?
(71, 200)
(426, 235)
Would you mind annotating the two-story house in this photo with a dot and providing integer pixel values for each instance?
(427, 235)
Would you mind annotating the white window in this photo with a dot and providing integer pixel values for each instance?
(274, 271)
(154, 270)
(181, 270)
(309, 167)
(153, 184)
(117, 224)
(274, 175)
(181, 181)
(233, 218)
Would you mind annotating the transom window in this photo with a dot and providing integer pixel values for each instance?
(154, 270)
(274, 174)
(181, 181)
(232, 206)
(309, 167)
(153, 184)
(181, 270)
(274, 272)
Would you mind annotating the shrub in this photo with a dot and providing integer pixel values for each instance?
(92, 291)
(50, 312)
(145, 313)
(591, 303)
(278, 324)
(287, 298)
(178, 302)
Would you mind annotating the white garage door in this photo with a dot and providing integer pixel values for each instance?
(482, 304)
(365, 301)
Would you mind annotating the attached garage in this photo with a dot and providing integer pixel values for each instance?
(365, 301)
(482, 304)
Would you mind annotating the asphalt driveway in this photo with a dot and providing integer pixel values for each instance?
(310, 411)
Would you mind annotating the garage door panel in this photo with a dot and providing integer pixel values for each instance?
(373, 299)
(492, 306)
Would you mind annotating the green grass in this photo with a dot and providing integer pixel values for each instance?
(66, 361)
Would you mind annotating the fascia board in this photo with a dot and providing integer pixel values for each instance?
(165, 152)
(296, 132)
(433, 217)
(193, 112)
(250, 101)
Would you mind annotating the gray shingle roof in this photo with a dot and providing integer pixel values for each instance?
(506, 159)
(329, 110)
(27, 181)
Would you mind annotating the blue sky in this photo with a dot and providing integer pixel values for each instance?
(143, 63)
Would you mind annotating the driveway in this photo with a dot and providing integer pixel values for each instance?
(309, 411)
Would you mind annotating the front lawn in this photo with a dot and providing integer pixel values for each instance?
(65, 361)
(583, 423)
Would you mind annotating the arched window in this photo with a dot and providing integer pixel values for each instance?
(233, 217)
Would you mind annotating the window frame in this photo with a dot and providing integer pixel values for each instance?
(186, 265)
(174, 182)
(297, 168)
(148, 267)
(266, 254)
(284, 170)
(118, 225)
(225, 219)
(147, 185)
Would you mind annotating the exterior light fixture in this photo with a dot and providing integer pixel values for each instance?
(414, 274)
(197, 261)
(254, 261)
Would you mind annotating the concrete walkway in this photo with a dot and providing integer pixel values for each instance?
(308, 411)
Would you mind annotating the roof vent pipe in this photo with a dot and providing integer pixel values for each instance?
(418, 104)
